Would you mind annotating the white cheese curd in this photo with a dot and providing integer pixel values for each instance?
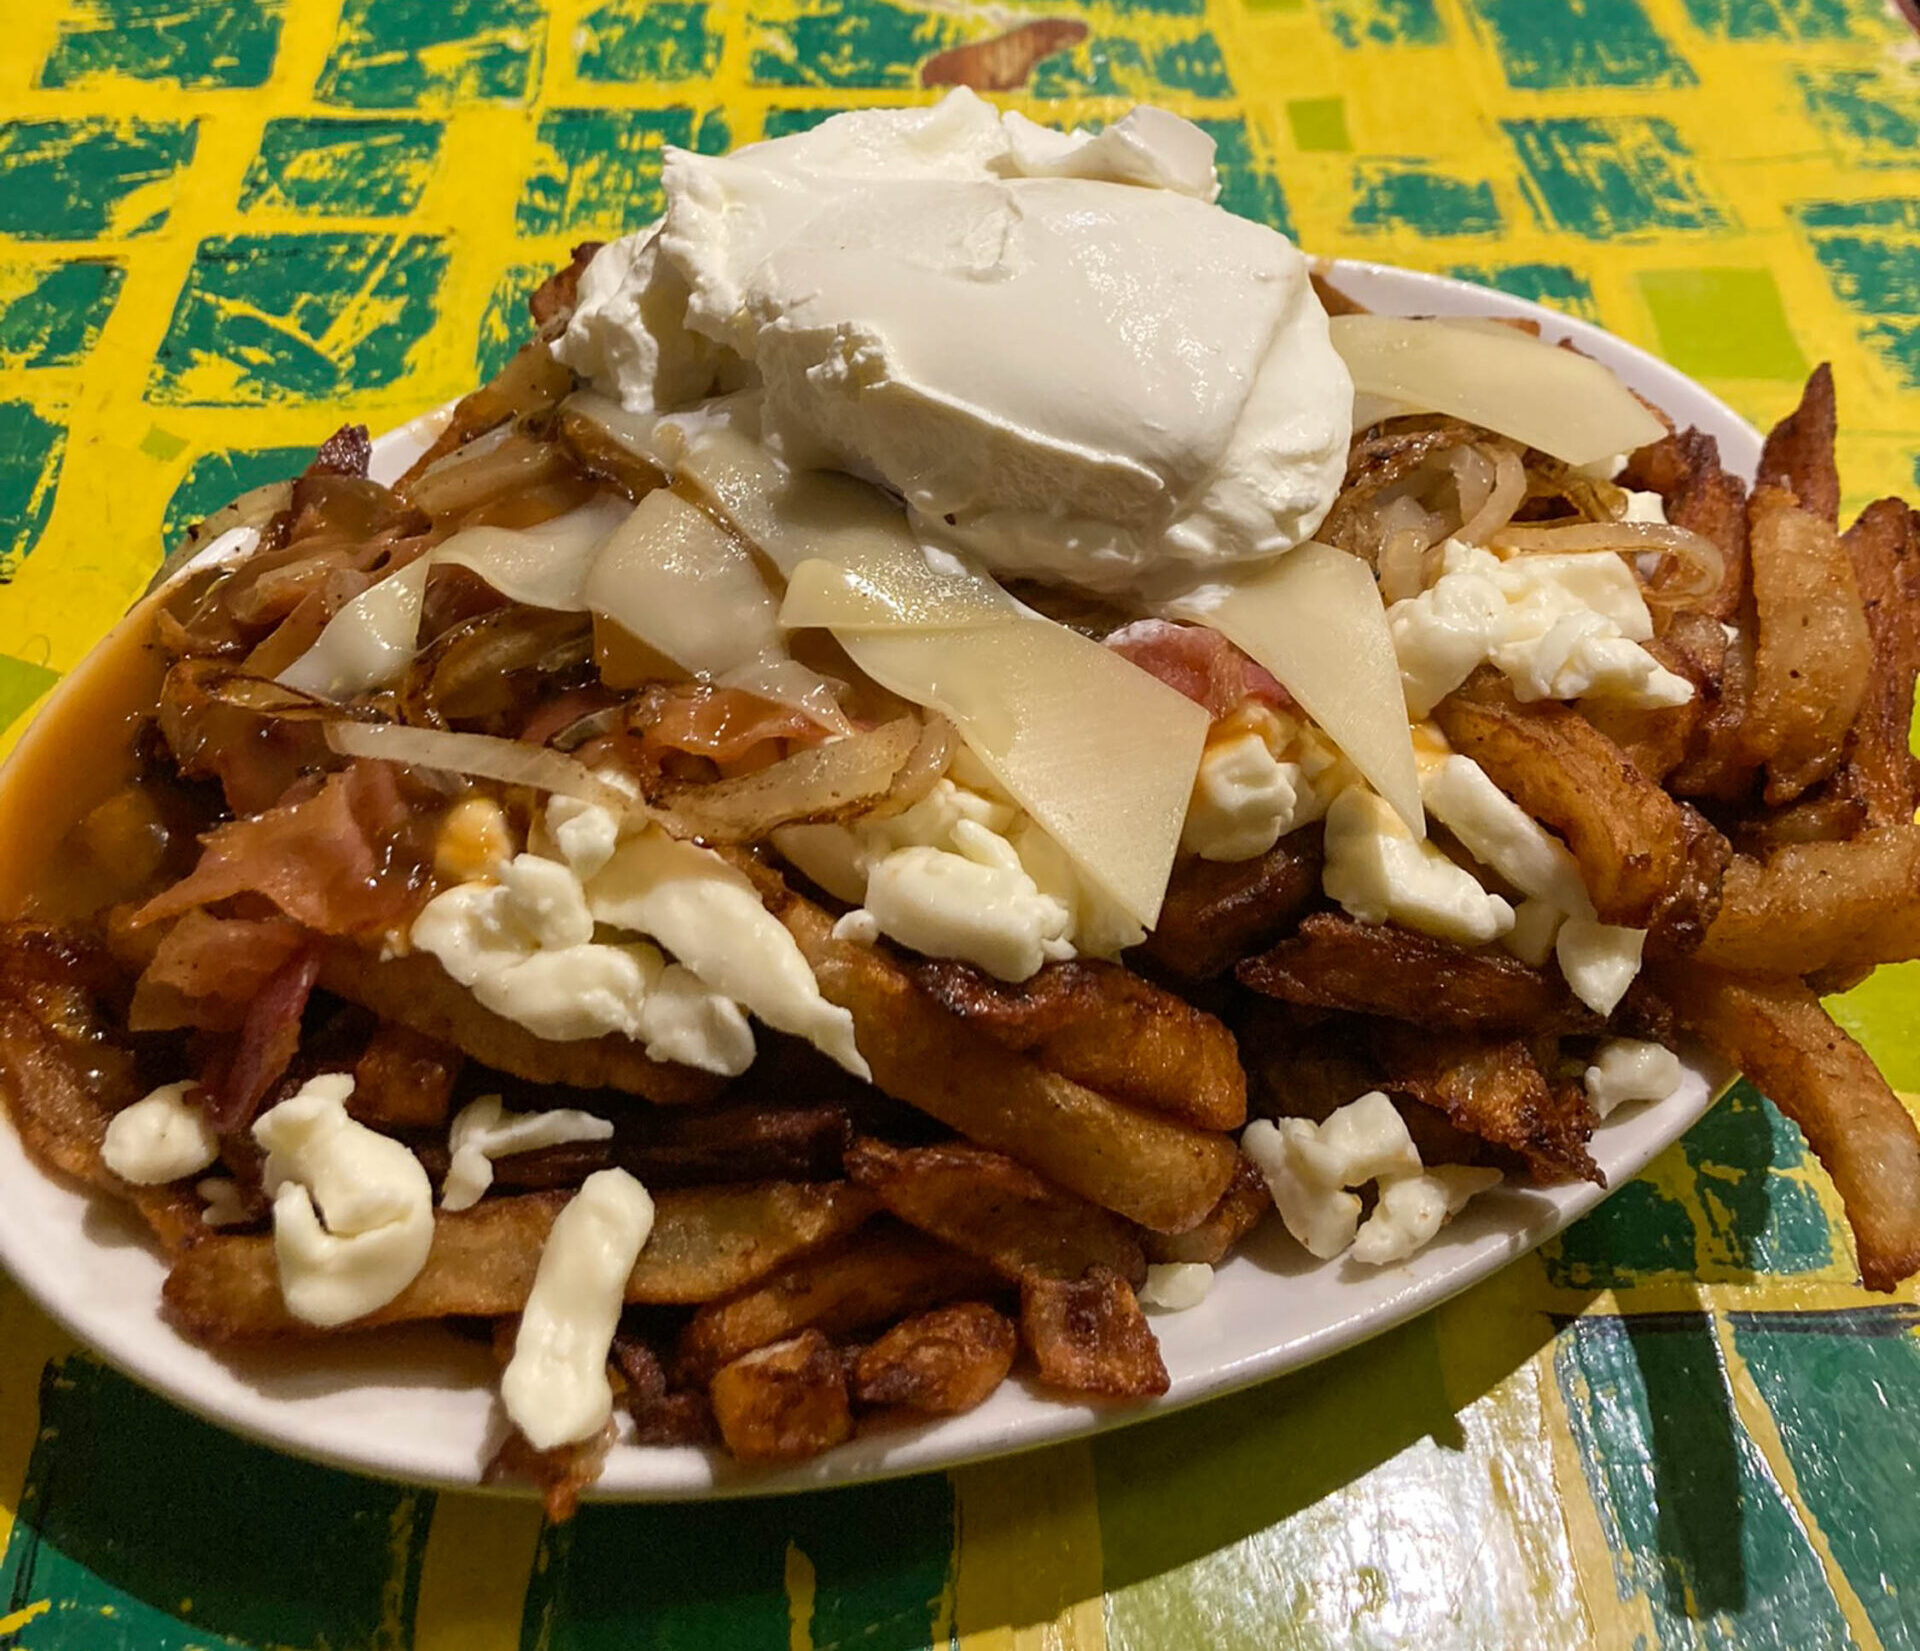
(1321, 1214)
(1244, 800)
(221, 1196)
(1379, 873)
(584, 834)
(950, 905)
(162, 1137)
(352, 1208)
(1536, 925)
(1194, 416)
(859, 927)
(484, 1130)
(1628, 1069)
(1176, 1286)
(1645, 507)
(1599, 960)
(555, 1387)
(1412, 1210)
(1501, 835)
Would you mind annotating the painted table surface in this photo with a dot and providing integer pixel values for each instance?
(225, 224)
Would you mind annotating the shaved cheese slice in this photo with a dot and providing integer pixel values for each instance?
(1562, 403)
(543, 566)
(1315, 620)
(909, 593)
(368, 643)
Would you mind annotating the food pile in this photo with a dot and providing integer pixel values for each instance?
(769, 872)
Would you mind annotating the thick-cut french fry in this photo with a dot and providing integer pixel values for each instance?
(1239, 1211)
(1798, 455)
(707, 1242)
(417, 993)
(939, 1363)
(1821, 906)
(1217, 911)
(885, 1273)
(1151, 1170)
(1880, 771)
(1656, 739)
(1685, 470)
(1107, 1029)
(404, 1080)
(784, 1402)
(1648, 862)
(1088, 1335)
(1813, 649)
(1778, 1034)
(994, 1208)
(1376, 969)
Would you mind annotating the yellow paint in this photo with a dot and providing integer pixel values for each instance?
(799, 1580)
(14, 1621)
(27, 1341)
(1027, 1574)
(474, 1574)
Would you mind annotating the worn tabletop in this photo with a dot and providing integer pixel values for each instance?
(226, 225)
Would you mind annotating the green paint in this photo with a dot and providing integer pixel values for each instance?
(1723, 323)
(782, 123)
(1880, 1010)
(711, 1576)
(342, 168)
(270, 318)
(408, 54)
(30, 453)
(1848, 1406)
(1384, 22)
(1695, 1522)
(57, 310)
(1319, 124)
(1114, 66)
(83, 180)
(871, 43)
(1394, 194)
(163, 445)
(507, 323)
(1777, 19)
(599, 169)
(1621, 176)
(1166, 8)
(1873, 122)
(647, 42)
(103, 1529)
(217, 479)
(1750, 1167)
(1581, 43)
(1886, 212)
(1870, 251)
(186, 42)
(1248, 185)
(21, 684)
(1637, 1233)
(1554, 285)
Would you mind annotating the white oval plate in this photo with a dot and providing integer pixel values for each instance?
(418, 1404)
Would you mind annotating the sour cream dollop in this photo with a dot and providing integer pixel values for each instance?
(1055, 348)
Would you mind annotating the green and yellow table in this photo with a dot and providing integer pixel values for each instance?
(227, 224)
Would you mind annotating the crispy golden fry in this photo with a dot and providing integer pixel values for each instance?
(1377, 969)
(1778, 1034)
(1798, 456)
(1151, 1170)
(1813, 650)
(884, 1274)
(783, 1402)
(1684, 469)
(1216, 911)
(1105, 1028)
(1880, 771)
(404, 1080)
(1088, 1335)
(938, 1363)
(1648, 861)
(417, 993)
(1720, 763)
(65, 1072)
(1821, 906)
(1495, 1089)
(1656, 739)
(707, 1242)
(992, 1207)
(1829, 813)
(1239, 1211)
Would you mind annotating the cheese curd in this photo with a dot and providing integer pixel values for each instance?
(1599, 960)
(484, 1130)
(162, 1137)
(1176, 1286)
(1628, 1069)
(555, 1387)
(1264, 775)
(1501, 835)
(352, 1209)
(1379, 873)
(1557, 626)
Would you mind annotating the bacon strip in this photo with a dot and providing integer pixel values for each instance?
(1200, 663)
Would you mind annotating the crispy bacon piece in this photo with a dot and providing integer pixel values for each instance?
(269, 1039)
(207, 969)
(1200, 663)
(1088, 1335)
(347, 452)
(1218, 911)
(554, 298)
(1103, 1027)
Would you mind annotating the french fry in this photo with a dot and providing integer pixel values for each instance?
(1778, 1034)
(1216, 911)
(1798, 456)
(1813, 649)
(1239, 1211)
(707, 1242)
(1700, 495)
(1088, 1335)
(939, 1363)
(996, 1209)
(886, 1273)
(1151, 1170)
(1106, 1029)
(784, 1402)
(404, 1080)
(1880, 771)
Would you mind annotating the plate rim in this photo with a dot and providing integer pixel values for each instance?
(686, 1474)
